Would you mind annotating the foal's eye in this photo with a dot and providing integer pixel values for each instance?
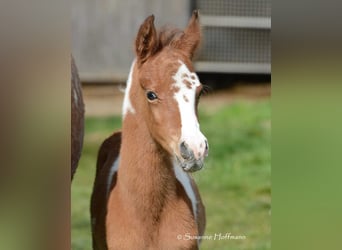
(151, 96)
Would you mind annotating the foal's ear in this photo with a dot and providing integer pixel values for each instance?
(191, 38)
(146, 43)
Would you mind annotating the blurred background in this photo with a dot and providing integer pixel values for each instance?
(234, 60)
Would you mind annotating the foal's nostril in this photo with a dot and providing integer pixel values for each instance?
(185, 151)
(206, 148)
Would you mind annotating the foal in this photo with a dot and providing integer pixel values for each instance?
(143, 196)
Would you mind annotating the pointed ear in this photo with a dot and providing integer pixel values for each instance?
(146, 43)
(191, 38)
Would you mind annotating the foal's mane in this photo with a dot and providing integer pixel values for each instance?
(168, 36)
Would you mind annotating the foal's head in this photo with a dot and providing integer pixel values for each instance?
(164, 91)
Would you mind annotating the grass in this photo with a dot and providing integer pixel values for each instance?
(235, 184)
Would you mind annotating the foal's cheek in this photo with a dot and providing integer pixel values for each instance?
(156, 116)
(162, 123)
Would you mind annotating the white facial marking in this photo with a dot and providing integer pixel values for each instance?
(112, 171)
(184, 179)
(127, 105)
(187, 82)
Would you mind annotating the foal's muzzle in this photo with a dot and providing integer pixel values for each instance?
(192, 158)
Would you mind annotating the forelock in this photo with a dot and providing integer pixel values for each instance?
(168, 35)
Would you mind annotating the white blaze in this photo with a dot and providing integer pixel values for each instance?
(185, 97)
(127, 105)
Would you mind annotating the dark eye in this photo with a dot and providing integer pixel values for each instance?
(151, 96)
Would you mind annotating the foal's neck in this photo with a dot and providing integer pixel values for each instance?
(145, 175)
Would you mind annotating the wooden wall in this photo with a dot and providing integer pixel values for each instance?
(103, 33)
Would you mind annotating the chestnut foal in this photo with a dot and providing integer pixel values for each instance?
(144, 197)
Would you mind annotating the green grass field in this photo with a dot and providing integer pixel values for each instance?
(235, 184)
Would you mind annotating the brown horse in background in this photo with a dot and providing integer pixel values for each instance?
(77, 118)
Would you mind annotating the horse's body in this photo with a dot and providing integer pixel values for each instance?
(77, 118)
(143, 196)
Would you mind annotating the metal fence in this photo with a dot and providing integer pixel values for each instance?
(236, 34)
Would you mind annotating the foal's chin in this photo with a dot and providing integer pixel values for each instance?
(190, 166)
